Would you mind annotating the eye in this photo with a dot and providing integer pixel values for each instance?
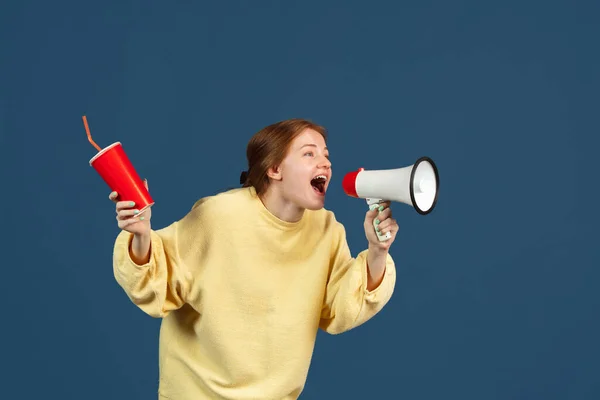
(309, 153)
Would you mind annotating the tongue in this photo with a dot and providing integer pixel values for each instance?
(317, 186)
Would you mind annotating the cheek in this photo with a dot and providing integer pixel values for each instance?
(295, 178)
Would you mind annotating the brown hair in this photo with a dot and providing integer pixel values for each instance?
(269, 146)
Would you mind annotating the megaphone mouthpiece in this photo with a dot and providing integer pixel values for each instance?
(349, 183)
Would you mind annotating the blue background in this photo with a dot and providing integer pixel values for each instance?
(497, 294)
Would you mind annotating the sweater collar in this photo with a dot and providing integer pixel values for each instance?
(273, 219)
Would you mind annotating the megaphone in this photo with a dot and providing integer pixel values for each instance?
(416, 185)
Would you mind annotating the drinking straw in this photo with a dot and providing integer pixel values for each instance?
(89, 135)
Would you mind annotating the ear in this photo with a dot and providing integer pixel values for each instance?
(274, 173)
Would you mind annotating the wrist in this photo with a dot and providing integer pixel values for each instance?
(140, 248)
(376, 263)
(142, 237)
(377, 250)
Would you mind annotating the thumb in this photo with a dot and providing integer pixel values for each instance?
(371, 214)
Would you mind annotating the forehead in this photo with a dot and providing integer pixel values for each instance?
(308, 136)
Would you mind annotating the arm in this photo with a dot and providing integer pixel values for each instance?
(358, 288)
(153, 269)
(376, 266)
(140, 248)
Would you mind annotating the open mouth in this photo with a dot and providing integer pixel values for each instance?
(318, 183)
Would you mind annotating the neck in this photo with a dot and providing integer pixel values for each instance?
(280, 207)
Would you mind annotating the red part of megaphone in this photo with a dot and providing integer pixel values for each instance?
(349, 183)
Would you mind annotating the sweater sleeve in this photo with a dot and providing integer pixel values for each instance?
(348, 303)
(163, 284)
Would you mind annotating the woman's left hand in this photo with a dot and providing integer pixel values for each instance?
(386, 224)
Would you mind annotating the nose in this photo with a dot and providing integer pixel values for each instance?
(325, 163)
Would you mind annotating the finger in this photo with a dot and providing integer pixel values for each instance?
(394, 230)
(127, 213)
(127, 222)
(121, 205)
(385, 214)
(374, 210)
(383, 205)
(385, 224)
(370, 215)
(113, 196)
(389, 225)
(131, 219)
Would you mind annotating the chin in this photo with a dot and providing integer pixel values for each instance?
(315, 207)
(309, 200)
(315, 204)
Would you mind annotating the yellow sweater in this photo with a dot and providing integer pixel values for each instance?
(242, 295)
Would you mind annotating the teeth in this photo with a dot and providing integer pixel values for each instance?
(320, 177)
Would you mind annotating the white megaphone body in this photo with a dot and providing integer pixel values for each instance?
(416, 185)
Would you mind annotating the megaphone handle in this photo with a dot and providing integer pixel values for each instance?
(373, 204)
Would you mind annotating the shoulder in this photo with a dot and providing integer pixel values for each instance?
(221, 204)
(229, 197)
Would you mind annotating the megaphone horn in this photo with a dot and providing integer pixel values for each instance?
(416, 185)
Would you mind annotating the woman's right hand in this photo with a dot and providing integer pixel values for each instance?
(128, 218)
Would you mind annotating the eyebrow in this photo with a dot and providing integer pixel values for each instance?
(312, 145)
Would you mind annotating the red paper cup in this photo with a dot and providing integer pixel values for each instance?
(114, 167)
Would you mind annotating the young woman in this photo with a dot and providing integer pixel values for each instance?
(247, 277)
